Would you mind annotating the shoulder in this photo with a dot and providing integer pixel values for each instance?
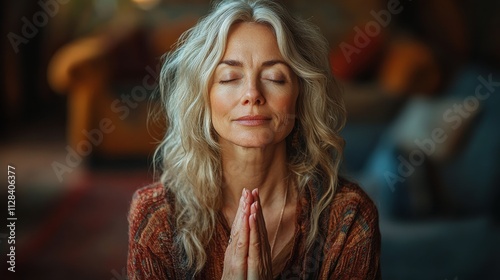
(150, 216)
(349, 235)
(353, 213)
(349, 195)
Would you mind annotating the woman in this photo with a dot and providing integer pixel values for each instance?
(250, 186)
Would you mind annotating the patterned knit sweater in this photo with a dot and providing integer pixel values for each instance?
(348, 246)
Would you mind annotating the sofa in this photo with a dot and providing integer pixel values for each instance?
(432, 170)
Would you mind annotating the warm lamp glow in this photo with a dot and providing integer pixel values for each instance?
(146, 4)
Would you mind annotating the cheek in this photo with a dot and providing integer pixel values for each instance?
(288, 101)
(285, 109)
(287, 105)
(219, 107)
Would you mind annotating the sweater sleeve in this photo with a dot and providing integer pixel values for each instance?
(353, 247)
(143, 264)
(149, 236)
(360, 256)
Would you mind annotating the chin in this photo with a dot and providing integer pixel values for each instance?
(252, 143)
(256, 141)
(253, 139)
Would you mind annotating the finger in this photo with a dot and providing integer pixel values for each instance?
(236, 252)
(259, 216)
(239, 213)
(254, 250)
(245, 199)
(241, 231)
(259, 262)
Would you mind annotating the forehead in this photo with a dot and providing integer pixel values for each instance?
(251, 38)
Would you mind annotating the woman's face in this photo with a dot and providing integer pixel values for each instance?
(253, 92)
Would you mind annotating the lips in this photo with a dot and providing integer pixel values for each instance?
(252, 120)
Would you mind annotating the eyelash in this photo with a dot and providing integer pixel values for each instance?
(280, 82)
(226, 81)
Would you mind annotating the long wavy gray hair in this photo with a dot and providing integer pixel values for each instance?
(189, 154)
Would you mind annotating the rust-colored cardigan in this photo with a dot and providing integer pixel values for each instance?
(348, 247)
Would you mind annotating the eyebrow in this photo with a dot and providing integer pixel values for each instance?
(268, 63)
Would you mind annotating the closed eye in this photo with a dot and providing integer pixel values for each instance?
(280, 82)
(226, 81)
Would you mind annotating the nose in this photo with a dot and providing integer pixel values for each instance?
(253, 94)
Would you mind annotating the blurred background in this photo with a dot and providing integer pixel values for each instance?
(421, 82)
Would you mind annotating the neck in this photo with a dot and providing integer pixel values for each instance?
(250, 168)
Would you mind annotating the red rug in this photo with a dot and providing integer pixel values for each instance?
(83, 234)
